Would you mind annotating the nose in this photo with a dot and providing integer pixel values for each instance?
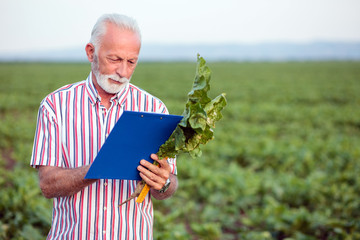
(121, 69)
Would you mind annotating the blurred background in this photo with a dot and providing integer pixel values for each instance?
(285, 160)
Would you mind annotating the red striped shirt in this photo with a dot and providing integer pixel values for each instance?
(72, 126)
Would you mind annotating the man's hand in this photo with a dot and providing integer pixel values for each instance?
(156, 176)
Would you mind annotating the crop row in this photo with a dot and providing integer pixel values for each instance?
(283, 165)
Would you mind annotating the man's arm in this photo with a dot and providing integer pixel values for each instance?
(156, 177)
(62, 182)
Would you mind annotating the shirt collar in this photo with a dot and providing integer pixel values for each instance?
(94, 96)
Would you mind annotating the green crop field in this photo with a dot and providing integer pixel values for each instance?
(284, 163)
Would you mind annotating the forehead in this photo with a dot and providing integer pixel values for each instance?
(117, 40)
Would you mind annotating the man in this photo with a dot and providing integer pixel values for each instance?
(73, 123)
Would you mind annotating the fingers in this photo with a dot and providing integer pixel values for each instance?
(153, 181)
(163, 162)
(163, 165)
(154, 176)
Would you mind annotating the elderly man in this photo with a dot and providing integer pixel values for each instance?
(73, 123)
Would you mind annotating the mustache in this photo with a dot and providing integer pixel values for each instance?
(117, 78)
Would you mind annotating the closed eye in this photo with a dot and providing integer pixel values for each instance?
(113, 59)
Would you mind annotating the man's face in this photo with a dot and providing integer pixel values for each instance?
(116, 59)
(110, 83)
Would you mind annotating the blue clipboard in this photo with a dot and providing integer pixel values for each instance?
(135, 136)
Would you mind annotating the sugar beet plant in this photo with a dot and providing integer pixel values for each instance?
(196, 127)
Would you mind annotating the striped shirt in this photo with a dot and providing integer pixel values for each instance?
(72, 126)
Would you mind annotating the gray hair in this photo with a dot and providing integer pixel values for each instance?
(121, 21)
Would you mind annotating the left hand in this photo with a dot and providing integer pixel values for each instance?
(154, 176)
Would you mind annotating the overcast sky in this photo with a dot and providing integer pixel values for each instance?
(49, 24)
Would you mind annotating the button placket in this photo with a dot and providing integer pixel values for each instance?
(105, 207)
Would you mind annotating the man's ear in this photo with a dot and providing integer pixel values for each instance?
(90, 51)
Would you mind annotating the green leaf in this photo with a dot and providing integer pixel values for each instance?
(213, 109)
(201, 84)
(199, 117)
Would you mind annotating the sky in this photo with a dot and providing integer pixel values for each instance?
(48, 24)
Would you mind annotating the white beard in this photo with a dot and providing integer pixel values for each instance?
(105, 83)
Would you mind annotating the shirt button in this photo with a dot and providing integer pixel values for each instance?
(105, 184)
(105, 208)
(104, 232)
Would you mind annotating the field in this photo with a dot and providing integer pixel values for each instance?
(284, 163)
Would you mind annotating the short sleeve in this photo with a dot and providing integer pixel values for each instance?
(46, 149)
